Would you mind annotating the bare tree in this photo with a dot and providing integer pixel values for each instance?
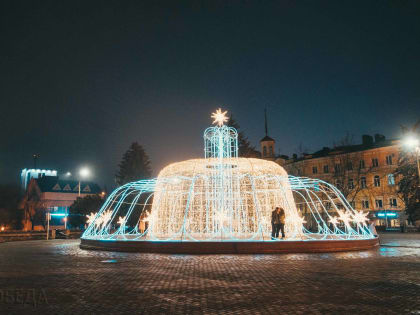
(350, 169)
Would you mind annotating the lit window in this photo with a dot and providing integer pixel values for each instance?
(337, 168)
(378, 203)
(377, 181)
(363, 182)
(314, 170)
(365, 204)
(338, 183)
(326, 170)
(351, 183)
(389, 160)
(362, 164)
(393, 202)
(375, 162)
(391, 180)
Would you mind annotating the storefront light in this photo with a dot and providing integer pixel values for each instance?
(390, 214)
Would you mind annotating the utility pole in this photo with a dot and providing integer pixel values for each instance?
(48, 224)
(35, 157)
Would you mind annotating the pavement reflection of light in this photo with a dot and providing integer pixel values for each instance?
(388, 251)
(109, 261)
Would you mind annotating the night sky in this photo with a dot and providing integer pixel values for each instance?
(81, 80)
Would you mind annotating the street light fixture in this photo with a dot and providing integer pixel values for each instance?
(83, 173)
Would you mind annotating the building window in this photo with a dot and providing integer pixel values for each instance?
(365, 204)
(375, 162)
(351, 183)
(389, 160)
(391, 180)
(349, 166)
(326, 170)
(362, 164)
(378, 203)
(352, 204)
(377, 181)
(338, 183)
(271, 151)
(314, 170)
(264, 151)
(327, 205)
(337, 168)
(362, 182)
(393, 202)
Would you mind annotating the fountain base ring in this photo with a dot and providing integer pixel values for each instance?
(229, 247)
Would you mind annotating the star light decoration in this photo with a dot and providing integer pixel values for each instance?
(105, 217)
(90, 218)
(219, 117)
(344, 216)
(360, 217)
(333, 220)
(121, 221)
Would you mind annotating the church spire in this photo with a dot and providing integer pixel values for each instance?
(267, 143)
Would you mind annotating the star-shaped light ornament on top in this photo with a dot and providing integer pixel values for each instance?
(219, 117)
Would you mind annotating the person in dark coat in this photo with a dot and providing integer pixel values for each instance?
(275, 223)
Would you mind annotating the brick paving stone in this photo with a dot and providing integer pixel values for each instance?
(75, 281)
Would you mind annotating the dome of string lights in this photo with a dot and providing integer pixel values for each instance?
(223, 197)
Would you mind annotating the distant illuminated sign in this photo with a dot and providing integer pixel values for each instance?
(27, 174)
(59, 214)
(386, 214)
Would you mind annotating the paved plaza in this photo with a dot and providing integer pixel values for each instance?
(57, 277)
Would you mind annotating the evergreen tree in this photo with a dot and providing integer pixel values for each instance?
(82, 207)
(134, 166)
(244, 146)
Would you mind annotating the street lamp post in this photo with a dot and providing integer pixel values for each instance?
(83, 173)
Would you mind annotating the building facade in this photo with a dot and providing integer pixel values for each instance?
(364, 174)
(49, 194)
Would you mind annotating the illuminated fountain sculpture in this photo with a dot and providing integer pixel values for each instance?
(224, 198)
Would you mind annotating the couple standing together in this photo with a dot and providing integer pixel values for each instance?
(278, 218)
